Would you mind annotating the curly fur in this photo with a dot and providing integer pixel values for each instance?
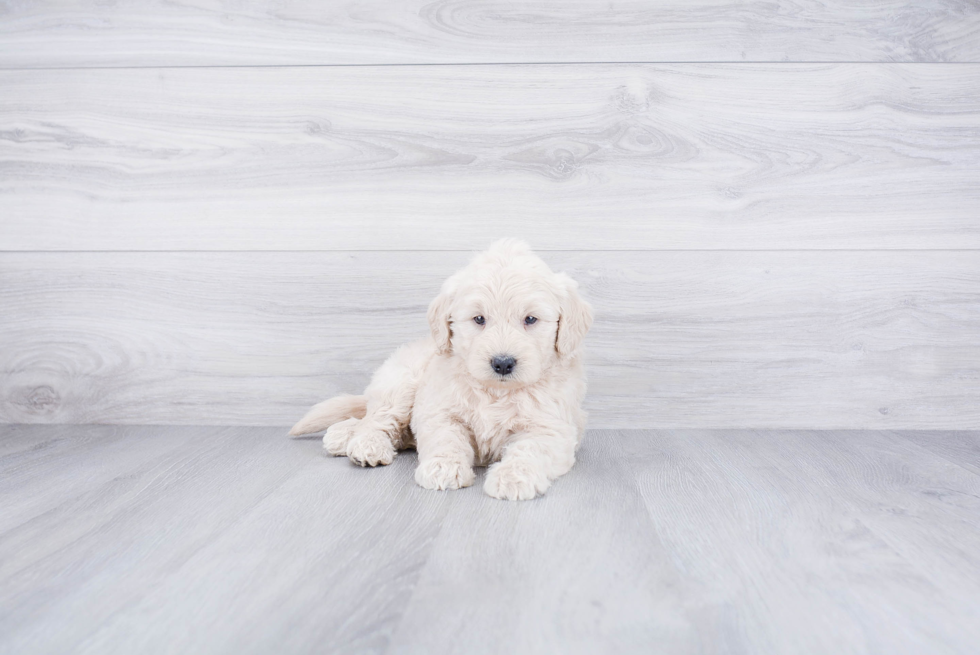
(442, 396)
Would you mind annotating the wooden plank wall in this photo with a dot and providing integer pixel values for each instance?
(218, 213)
(83, 33)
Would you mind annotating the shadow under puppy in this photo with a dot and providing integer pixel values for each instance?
(500, 380)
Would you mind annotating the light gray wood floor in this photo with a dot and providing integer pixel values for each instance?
(237, 540)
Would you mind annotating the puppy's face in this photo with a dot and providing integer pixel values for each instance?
(508, 318)
(504, 328)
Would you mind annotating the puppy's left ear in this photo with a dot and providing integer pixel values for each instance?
(439, 321)
(575, 319)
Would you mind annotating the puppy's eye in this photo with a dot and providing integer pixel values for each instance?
(530, 320)
(479, 320)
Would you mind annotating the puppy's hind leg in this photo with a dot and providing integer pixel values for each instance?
(375, 439)
(338, 436)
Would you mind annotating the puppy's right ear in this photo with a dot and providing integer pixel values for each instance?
(439, 321)
(575, 319)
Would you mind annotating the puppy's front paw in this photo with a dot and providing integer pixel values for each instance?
(371, 448)
(440, 473)
(338, 436)
(515, 481)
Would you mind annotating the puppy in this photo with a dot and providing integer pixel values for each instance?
(500, 381)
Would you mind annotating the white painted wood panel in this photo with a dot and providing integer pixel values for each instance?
(698, 339)
(432, 157)
(213, 32)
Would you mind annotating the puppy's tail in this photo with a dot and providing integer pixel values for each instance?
(325, 414)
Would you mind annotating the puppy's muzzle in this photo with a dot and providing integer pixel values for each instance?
(503, 364)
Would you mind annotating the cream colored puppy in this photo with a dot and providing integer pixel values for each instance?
(499, 380)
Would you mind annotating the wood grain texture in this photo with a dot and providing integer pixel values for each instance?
(225, 540)
(581, 570)
(684, 339)
(960, 448)
(212, 32)
(438, 158)
(237, 540)
(839, 535)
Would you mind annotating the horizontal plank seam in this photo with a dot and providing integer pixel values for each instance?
(588, 430)
(477, 249)
(498, 63)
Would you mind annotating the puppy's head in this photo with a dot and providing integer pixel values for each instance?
(508, 318)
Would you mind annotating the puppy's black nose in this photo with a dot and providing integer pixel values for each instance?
(503, 364)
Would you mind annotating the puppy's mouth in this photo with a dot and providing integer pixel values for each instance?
(505, 381)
